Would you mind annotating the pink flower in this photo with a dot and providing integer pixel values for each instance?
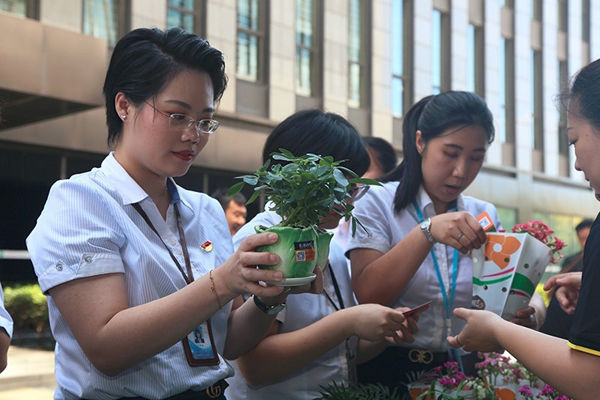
(525, 390)
(547, 390)
(542, 232)
(446, 381)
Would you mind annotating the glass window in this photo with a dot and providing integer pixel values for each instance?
(103, 19)
(357, 53)
(536, 100)
(475, 59)
(250, 39)
(440, 51)
(563, 81)
(471, 58)
(24, 8)
(436, 52)
(501, 117)
(401, 40)
(507, 90)
(306, 48)
(585, 30)
(186, 14)
(563, 15)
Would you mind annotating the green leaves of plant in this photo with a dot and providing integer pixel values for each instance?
(305, 189)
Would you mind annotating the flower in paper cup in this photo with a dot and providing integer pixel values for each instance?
(543, 233)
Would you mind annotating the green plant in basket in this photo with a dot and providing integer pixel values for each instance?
(304, 191)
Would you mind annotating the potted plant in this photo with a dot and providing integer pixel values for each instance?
(302, 191)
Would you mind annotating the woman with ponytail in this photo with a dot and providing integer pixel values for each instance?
(421, 229)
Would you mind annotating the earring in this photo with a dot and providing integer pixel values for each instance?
(123, 117)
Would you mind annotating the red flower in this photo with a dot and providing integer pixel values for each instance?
(543, 233)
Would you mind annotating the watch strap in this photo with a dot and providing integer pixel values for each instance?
(268, 309)
(426, 229)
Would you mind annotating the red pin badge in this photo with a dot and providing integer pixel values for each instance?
(207, 246)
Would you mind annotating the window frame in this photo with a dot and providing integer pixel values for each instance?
(32, 9)
(406, 55)
(363, 62)
(316, 71)
(198, 13)
(123, 22)
(445, 51)
(476, 21)
(262, 39)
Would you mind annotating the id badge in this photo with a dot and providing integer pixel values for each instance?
(199, 346)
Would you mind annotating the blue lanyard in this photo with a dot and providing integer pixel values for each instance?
(447, 302)
(454, 354)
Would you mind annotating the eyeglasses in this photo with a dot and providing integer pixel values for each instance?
(358, 191)
(181, 122)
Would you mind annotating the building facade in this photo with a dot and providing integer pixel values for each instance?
(366, 60)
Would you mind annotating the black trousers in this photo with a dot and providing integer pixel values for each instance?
(396, 366)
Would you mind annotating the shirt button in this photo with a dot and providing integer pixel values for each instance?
(87, 258)
(59, 267)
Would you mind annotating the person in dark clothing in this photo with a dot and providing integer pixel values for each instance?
(557, 322)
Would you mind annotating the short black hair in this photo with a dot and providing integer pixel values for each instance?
(322, 133)
(384, 152)
(145, 60)
(586, 223)
(223, 198)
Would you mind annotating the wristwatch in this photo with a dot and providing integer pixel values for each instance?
(268, 309)
(426, 229)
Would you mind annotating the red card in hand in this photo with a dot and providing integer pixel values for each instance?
(417, 309)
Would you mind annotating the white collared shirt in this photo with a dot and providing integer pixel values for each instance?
(386, 228)
(6, 321)
(89, 227)
(302, 310)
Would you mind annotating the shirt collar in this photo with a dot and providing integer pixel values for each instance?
(426, 204)
(129, 189)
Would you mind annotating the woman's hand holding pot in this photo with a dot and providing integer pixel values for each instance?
(240, 275)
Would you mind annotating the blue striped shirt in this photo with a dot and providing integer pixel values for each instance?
(89, 227)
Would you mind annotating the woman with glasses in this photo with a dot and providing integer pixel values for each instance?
(316, 340)
(139, 272)
(421, 230)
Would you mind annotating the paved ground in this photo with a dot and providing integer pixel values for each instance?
(29, 375)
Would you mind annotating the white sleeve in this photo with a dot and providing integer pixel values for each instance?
(76, 236)
(6, 321)
(375, 214)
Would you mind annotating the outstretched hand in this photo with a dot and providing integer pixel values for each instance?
(375, 322)
(567, 289)
(478, 334)
(459, 230)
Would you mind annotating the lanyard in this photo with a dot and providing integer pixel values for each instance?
(338, 294)
(209, 355)
(189, 277)
(448, 300)
(350, 343)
